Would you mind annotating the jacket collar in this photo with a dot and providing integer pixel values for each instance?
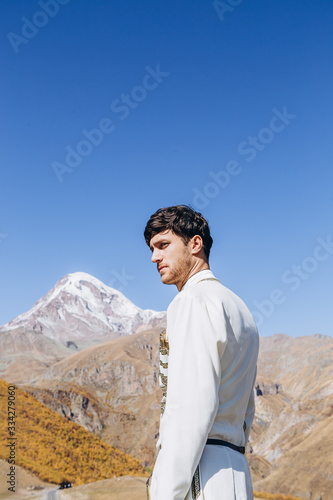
(206, 273)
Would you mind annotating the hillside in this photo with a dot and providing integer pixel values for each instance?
(111, 389)
(56, 449)
(124, 488)
(27, 484)
(293, 425)
(25, 354)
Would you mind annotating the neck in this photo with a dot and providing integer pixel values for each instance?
(197, 266)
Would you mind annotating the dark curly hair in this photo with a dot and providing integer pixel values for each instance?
(183, 221)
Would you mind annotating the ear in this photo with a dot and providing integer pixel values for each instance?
(196, 244)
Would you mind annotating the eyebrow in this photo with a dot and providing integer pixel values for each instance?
(158, 242)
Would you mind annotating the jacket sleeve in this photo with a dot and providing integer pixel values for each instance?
(192, 396)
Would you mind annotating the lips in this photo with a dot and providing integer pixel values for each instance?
(162, 267)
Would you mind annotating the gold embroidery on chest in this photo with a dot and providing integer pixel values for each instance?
(164, 343)
(163, 375)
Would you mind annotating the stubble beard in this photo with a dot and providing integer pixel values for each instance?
(178, 273)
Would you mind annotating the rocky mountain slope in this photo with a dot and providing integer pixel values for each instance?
(83, 310)
(78, 312)
(55, 449)
(25, 354)
(294, 416)
(112, 390)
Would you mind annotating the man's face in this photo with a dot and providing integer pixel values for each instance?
(173, 257)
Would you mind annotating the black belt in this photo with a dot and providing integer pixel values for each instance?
(241, 449)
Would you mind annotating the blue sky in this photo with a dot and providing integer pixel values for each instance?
(111, 110)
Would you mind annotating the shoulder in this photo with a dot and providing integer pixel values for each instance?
(204, 292)
(200, 299)
(213, 298)
(186, 299)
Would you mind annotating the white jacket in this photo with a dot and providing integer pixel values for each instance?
(211, 370)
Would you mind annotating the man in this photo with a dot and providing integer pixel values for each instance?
(208, 362)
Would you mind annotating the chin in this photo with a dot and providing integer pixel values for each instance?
(166, 280)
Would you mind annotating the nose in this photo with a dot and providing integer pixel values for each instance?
(156, 256)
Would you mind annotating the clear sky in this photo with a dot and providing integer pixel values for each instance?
(110, 110)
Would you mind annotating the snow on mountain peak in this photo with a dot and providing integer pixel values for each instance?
(81, 308)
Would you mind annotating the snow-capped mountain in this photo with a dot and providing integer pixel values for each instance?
(82, 309)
